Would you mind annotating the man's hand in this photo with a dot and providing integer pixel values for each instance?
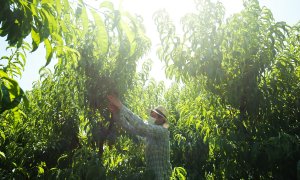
(114, 103)
(113, 109)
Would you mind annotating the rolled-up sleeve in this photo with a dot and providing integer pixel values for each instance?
(135, 124)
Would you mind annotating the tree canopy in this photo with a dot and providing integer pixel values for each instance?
(234, 105)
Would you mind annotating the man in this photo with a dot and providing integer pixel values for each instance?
(157, 150)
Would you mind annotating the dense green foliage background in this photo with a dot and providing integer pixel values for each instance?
(234, 105)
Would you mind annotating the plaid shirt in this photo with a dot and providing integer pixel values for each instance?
(157, 150)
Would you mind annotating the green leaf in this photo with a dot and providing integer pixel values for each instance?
(2, 136)
(4, 57)
(130, 35)
(66, 5)
(33, 9)
(49, 18)
(25, 99)
(2, 155)
(12, 86)
(46, 1)
(102, 37)
(3, 74)
(49, 52)
(85, 20)
(1, 94)
(36, 40)
(58, 7)
(58, 40)
(70, 50)
(107, 4)
(40, 170)
(11, 92)
(179, 173)
(23, 57)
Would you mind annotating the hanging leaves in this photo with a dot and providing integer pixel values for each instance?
(11, 94)
(101, 33)
(129, 28)
(35, 39)
(49, 52)
(85, 20)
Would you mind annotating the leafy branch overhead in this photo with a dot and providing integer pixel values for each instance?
(234, 104)
(95, 57)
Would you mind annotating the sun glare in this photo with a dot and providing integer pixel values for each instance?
(176, 8)
(146, 9)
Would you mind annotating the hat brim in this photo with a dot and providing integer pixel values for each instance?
(160, 113)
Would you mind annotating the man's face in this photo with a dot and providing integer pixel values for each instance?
(159, 120)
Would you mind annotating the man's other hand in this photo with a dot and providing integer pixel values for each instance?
(114, 103)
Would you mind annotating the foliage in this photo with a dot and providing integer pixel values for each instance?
(242, 76)
(71, 101)
(234, 108)
(45, 21)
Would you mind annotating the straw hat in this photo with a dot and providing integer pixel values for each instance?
(160, 110)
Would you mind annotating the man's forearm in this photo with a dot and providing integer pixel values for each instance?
(123, 123)
(138, 124)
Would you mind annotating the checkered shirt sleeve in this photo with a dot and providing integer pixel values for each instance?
(138, 125)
